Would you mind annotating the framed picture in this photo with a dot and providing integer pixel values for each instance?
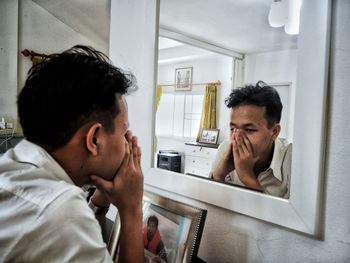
(183, 79)
(171, 230)
(209, 136)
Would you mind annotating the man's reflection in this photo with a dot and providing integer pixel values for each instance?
(254, 156)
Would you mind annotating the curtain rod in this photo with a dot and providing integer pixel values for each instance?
(32, 54)
(218, 83)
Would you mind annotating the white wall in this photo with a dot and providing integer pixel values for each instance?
(8, 58)
(26, 25)
(42, 32)
(205, 69)
(274, 67)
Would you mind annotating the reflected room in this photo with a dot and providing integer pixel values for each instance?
(197, 69)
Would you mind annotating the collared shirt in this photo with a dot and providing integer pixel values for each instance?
(44, 217)
(275, 180)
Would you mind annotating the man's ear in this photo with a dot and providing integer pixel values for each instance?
(92, 138)
(276, 130)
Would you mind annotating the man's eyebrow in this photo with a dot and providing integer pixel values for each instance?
(244, 125)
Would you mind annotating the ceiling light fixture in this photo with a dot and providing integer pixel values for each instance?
(278, 13)
(292, 25)
(285, 13)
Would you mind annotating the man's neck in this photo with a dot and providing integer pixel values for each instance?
(70, 159)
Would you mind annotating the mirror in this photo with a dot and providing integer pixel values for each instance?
(252, 51)
(301, 211)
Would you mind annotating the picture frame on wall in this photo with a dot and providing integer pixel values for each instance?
(177, 225)
(209, 136)
(183, 79)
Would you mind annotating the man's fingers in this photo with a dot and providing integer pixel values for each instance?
(126, 160)
(239, 143)
(128, 135)
(136, 153)
(134, 149)
(138, 158)
(244, 145)
(130, 148)
(248, 145)
(235, 149)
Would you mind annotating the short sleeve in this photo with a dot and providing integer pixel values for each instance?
(66, 231)
(219, 155)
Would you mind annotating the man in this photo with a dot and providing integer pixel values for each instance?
(74, 118)
(152, 240)
(254, 156)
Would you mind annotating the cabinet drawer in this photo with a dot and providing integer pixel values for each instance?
(198, 151)
(199, 162)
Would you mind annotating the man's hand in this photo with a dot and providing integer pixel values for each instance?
(244, 159)
(125, 191)
(99, 198)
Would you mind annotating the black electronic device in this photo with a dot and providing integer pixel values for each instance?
(169, 160)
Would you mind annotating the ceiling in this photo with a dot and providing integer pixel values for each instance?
(87, 17)
(238, 25)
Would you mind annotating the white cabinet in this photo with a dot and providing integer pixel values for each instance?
(198, 158)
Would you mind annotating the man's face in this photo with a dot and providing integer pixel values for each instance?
(114, 151)
(251, 122)
(151, 228)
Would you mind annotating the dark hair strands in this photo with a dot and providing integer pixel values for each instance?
(68, 90)
(261, 95)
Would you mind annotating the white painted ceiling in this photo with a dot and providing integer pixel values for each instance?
(88, 17)
(239, 25)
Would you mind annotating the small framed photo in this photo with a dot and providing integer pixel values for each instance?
(171, 230)
(209, 136)
(183, 79)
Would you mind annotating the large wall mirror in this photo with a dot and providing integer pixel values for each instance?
(240, 49)
(298, 63)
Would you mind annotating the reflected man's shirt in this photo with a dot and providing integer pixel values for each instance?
(276, 179)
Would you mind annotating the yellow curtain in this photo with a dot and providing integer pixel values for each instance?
(208, 118)
(159, 92)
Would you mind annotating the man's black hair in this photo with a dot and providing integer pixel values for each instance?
(68, 90)
(154, 219)
(260, 95)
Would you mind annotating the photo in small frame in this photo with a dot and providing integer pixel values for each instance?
(171, 230)
(209, 136)
(183, 79)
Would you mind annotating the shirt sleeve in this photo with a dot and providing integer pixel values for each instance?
(218, 157)
(66, 231)
(287, 169)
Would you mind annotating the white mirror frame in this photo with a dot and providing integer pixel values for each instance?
(134, 46)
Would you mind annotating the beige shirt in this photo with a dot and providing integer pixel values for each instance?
(275, 180)
(44, 217)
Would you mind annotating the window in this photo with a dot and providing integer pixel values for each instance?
(179, 115)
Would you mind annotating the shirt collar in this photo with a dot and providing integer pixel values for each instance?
(277, 159)
(28, 152)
